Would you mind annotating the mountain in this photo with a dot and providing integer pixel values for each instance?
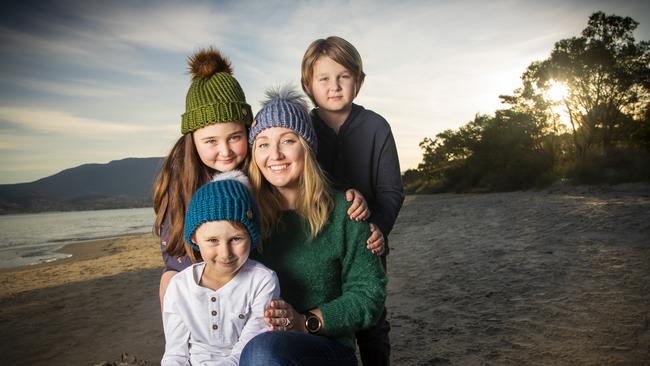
(119, 184)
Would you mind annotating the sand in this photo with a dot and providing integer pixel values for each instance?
(557, 277)
(94, 306)
(525, 278)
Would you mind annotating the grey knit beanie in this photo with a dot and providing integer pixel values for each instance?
(284, 107)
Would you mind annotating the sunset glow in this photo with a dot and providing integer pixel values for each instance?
(556, 93)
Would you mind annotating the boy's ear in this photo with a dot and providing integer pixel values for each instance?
(306, 89)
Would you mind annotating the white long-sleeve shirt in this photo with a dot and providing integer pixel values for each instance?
(205, 327)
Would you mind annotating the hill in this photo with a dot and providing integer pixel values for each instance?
(118, 184)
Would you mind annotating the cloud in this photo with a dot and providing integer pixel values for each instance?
(40, 52)
(91, 27)
(63, 123)
(76, 88)
(168, 26)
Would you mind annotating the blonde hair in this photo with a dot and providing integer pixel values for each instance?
(315, 199)
(339, 50)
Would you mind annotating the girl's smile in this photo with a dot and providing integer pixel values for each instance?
(221, 146)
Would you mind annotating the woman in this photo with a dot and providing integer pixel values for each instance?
(331, 285)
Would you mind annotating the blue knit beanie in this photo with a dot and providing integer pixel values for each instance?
(284, 107)
(221, 200)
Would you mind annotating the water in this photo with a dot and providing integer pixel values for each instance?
(34, 238)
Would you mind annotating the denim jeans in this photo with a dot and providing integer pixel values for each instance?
(295, 349)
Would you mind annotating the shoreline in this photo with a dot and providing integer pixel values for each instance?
(5, 213)
(78, 250)
(89, 259)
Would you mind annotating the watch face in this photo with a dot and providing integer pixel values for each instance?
(313, 324)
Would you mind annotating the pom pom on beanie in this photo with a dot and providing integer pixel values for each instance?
(208, 62)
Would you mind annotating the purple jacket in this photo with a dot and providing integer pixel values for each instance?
(171, 263)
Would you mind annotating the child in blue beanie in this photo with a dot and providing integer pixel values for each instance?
(213, 308)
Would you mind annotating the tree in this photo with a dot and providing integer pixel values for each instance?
(502, 152)
(608, 78)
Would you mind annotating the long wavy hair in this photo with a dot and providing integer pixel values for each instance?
(182, 173)
(315, 199)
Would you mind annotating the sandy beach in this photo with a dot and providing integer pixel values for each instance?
(557, 277)
(89, 308)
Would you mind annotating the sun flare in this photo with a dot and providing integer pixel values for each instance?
(557, 91)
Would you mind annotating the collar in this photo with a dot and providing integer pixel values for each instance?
(354, 112)
(197, 272)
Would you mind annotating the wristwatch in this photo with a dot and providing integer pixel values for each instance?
(312, 323)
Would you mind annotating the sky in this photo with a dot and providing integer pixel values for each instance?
(96, 81)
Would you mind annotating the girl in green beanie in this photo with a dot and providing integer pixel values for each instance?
(214, 127)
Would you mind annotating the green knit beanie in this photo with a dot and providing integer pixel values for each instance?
(215, 95)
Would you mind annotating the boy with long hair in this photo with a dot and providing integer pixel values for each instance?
(356, 150)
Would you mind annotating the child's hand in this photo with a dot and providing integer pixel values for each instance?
(281, 316)
(359, 210)
(376, 241)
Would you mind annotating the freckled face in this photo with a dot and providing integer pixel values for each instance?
(221, 146)
(224, 247)
(332, 86)
(280, 157)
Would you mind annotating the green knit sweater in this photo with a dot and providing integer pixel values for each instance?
(334, 271)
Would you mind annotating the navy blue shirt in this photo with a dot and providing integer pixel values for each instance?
(363, 156)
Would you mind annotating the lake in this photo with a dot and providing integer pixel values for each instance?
(34, 238)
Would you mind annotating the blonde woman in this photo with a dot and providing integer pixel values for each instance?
(332, 286)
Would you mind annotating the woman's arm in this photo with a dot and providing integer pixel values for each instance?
(362, 298)
(363, 286)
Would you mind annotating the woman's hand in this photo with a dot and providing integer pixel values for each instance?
(281, 316)
(376, 242)
(359, 210)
